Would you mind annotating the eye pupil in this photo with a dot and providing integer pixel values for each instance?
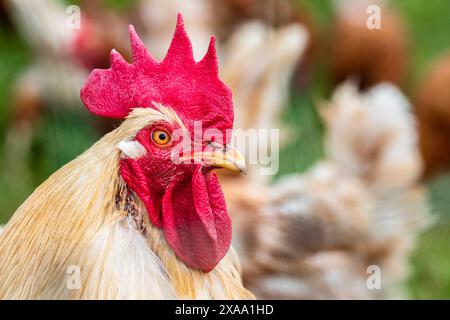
(162, 136)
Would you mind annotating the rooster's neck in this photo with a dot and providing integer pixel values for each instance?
(223, 281)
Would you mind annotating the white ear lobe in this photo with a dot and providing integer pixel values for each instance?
(132, 149)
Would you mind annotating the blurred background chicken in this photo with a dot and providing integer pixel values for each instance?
(433, 109)
(154, 18)
(48, 87)
(260, 86)
(370, 55)
(308, 235)
(314, 235)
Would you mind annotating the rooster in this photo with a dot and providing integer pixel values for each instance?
(138, 216)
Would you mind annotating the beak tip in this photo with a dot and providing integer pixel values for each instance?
(226, 158)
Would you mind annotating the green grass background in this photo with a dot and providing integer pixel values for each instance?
(61, 135)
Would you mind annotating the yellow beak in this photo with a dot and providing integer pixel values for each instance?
(227, 157)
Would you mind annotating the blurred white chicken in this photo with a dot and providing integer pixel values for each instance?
(52, 75)
(322, 233)
(156, 19)
(260, 86)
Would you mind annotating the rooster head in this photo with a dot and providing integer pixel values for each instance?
(169, 162)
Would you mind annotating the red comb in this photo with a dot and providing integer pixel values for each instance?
(191, 88)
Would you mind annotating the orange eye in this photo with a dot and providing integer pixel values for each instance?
(161, 137)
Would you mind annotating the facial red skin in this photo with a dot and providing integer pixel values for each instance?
(184, 200)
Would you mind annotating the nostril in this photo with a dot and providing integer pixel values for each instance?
(217, 146)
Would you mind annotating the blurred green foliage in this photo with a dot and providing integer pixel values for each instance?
(13, 56)
(431, 264)
(63, 135)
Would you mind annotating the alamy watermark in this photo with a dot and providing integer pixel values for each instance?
(373, 281)
(259, 147)
(374, 19)
(73, 21)
(73, 279)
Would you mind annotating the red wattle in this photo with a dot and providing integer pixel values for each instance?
(195, 220)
